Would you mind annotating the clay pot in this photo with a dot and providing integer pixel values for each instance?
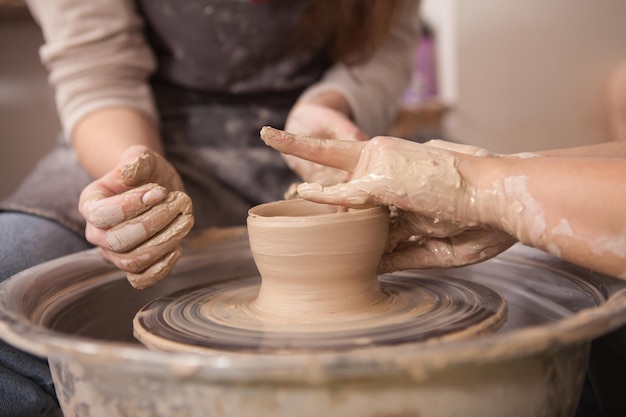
(78, 310)
(315, 258)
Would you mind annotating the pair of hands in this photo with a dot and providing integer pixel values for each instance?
(437, 221)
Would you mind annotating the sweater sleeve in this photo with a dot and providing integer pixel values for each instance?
(96, 56)
(373, 89)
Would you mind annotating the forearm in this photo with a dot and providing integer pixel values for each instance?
(570, 207)
(98, 59)
(373, 89)
(102, 136)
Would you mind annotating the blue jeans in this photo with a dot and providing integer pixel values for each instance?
(26, 387)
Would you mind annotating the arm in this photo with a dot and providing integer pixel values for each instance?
(98, 63)
(459, 208)
(372, 89)
(353, 103)
(615, 149)
(96, 56)
(571, 207)
(101, 137)
(135, 209)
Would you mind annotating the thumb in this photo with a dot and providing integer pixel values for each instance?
(136, 166)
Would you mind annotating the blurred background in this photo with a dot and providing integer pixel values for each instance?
(28, 119)
(509, 76)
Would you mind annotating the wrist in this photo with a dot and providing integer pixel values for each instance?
(101, 137)
(484, 175)
(498, 199)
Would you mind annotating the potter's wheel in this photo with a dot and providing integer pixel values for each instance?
(224, 317)
(77, 311)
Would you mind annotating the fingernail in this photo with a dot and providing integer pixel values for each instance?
(154, 196)
(309, 188)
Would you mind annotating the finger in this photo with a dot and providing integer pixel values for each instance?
(424, 254)
(413, 256)
(137, 166)
(141, 165)
(364, 192)
(153, 249)
(341, 154)
(346, 194)
(402, 228)
(105, 212)
(156, 272)
(466, 248)
(113, 182)
(407, 224)
(132, 233)
(458, 147)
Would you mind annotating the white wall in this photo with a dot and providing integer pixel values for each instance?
(527, 75)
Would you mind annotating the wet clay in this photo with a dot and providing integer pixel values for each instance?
(319, 290)
(316, 259)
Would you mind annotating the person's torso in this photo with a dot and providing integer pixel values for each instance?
(231, 47)
(225, 68)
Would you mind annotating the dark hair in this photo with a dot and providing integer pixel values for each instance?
(354, 29)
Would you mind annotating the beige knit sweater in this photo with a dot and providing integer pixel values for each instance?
(97, 57)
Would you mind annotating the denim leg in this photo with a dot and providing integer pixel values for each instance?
(27, 240)
(26, 387)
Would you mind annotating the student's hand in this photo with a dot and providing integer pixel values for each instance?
(320, 120)
(137, 214)
(437, 222)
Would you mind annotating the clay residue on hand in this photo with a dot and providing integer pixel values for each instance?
(325, 170)
(167, 223)
(156, 272)
(137, 171)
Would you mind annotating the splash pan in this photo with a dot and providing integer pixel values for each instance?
(78, 311)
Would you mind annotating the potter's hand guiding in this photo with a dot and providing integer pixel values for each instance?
(137, 214)
(437, 224)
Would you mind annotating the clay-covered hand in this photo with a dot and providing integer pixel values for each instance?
(315, 120)
(137, 214)
(437, 222)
